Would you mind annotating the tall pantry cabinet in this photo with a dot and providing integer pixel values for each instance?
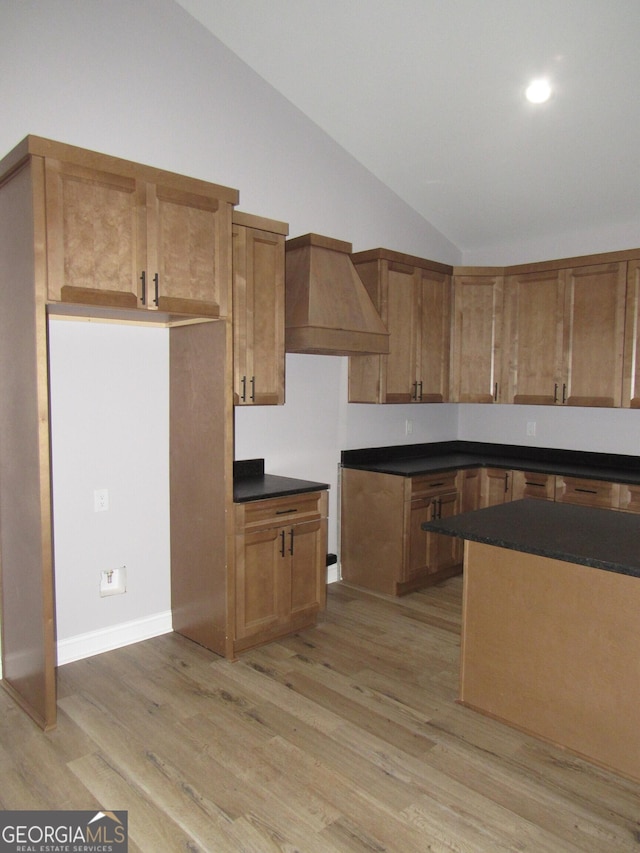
(85, 235)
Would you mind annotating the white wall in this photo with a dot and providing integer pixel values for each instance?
(145, 82)
(109, 429)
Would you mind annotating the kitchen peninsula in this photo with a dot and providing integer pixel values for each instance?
(550, 632)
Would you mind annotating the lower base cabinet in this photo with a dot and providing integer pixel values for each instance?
(281, 550)
(383, 546)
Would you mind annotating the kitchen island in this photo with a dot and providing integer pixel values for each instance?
(551, 624)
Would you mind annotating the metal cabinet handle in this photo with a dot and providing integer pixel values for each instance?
(291, 541)
(419, 385)
(282, 543)
(495, 391)
(286, 511)
(555, 393)
(243, 395)
(506, 482)
(143, 279)
(253, 389)
(587, 491)
(564, 392)
(156, 280)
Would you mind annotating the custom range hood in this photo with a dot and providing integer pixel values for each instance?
(328, 310)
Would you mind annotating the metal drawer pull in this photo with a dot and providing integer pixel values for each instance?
(156, 280)
(529, 483)
(587, 491)
(286, 511)
(291, 541)
(282, 543)
(143, 279)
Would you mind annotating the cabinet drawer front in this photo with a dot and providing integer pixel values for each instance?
(433, 484)
(596, 493)
(528, 484)
(274, 512)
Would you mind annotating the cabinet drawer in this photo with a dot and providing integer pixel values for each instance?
(433, 484)
(598, 493)
(528, 484)
(274, 512)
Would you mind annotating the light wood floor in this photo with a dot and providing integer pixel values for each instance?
(346, 737)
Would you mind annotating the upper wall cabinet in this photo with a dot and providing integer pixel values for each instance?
(560, 342)
(594, 318)
(129, 236)
(477, 337)
(631, 377)
(413, 298)
(258, 309)
(532, 332)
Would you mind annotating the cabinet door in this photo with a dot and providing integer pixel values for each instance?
(434, 344)
(532, 337)
(477, 323)
(258, 316)
(528, 484)
(401, 319)
(594, 334)
(431, 552)
(188, 251)
(95, 252)
(262, 580)
(631, 372)
(495, 486)
(307, 546)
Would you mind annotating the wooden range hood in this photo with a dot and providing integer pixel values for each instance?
(328, 310)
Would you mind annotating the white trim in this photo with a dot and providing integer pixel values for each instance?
(106, 639)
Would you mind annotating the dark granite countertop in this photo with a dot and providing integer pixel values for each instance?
(414, 459)
(250, 483)
(600, 538)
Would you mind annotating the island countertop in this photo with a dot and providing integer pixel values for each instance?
(600, 538)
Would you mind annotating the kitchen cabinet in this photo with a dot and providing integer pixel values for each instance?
(477, 335)
(631, 363)
(70, 230)
(533, 337)
(431, 557)
(586, 492)
(382, 545)
(594, 308)
(413, 298)
(495, 486)
(280, 566)
(258, 310)
(127, 236)
(531, 484)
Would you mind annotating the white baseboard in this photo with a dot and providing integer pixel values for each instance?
(333, 573)
(105, 639)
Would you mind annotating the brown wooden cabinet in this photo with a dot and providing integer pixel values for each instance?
(533, 337)
(413, 298)
(127, 236)
(631, 364)
(532, 484)
(382, 544)
(594, 335)
(280, 566)
(477, 336)
(258, 310)
(586, 492)
(77, 229)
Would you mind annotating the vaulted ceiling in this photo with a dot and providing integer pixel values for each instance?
(429, 96)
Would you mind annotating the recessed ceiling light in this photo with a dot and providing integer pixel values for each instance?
(538, 91)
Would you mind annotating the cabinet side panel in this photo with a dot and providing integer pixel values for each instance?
(28, 652)
(199, 482)
(373, 529)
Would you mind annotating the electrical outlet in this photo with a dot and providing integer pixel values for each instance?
(408, 427)
(531, 427)
(100, 500)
